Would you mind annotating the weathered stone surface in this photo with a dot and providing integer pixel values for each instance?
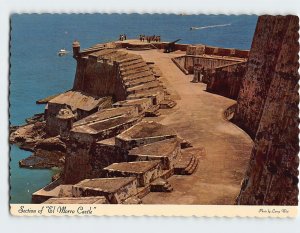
(111, 72)
(145, 171)
(187, 63)
(116, 190)
(51, 144)
(95, 131)
(46, 100)
(141, 104)
(53, 190)
(186, 163)
(63, 110)
(165, 151)
(77, 200)
(144, 133)
(268, 106)
(160, 185)
(227, 80)
(264, 54)
(103, 154)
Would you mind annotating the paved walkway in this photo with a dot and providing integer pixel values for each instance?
(198, 117)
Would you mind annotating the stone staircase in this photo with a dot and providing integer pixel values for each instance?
(136, 75)
(136, 79)
(152, 152)
(186, 163)
(161, 185)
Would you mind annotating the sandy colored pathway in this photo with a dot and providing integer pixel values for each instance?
(198, 117)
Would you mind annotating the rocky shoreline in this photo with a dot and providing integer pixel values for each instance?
(48, 152)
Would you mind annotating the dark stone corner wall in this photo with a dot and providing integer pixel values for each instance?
(267, 109)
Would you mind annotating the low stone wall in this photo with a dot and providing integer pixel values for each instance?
(218, 51)
(187, 63)
(227, 80)
(103, 155)
(180, 63)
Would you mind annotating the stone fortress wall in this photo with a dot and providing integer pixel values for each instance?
(267, 108)
(220, 68)
(108, 149)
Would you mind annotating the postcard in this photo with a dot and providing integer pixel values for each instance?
(154, 114)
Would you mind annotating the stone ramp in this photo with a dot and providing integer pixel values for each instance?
(103, 129)
(144, 133)
(102, 114)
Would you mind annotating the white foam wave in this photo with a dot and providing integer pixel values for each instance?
(210, 26)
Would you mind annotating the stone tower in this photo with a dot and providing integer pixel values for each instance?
(76, 49)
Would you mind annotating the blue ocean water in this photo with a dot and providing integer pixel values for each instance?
(36, 70)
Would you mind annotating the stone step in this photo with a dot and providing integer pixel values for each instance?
(129, 63)
(128, 78)
(129, 58)
(144, 171)
(187, 162)
(114, 55)
(166, 104)
(134, 71)
(100, 54)
(191, 169)
(160, 185)
(133, 66)
(152, 111)
(117, 57)
(115, 190)
(139, 81)
(145, 86)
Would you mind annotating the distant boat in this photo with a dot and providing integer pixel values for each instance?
(210, 26)
(62, 52)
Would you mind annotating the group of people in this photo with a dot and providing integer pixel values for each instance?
(150, 38)
(122, 37)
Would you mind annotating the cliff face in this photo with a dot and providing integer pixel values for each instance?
(267, 108)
